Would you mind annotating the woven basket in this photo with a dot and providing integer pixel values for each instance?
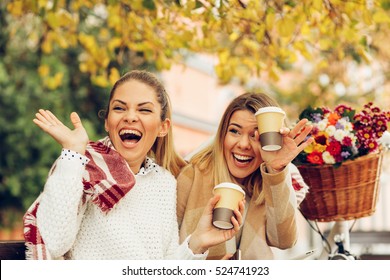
(347, 192)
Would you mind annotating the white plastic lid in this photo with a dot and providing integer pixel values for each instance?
(230, 185)
(270, 109)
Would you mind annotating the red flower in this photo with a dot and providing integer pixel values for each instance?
(315, 158)
(371, 145)
(343, 108)
(347, 141)
(334, 148)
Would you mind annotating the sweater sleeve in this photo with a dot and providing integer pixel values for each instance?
(281, 204)
(59, 212)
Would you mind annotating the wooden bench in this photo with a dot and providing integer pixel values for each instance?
(12, 250)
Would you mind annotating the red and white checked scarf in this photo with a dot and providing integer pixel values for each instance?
(107, 180)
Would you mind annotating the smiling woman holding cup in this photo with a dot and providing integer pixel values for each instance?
(236, 156)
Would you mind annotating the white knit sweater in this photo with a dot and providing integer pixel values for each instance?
(141, 226)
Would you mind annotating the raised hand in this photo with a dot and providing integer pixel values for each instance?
(206, 235)
(293, 143)
(75, 140)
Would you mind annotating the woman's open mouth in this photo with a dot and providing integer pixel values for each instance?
(242, 159)
(130, 136)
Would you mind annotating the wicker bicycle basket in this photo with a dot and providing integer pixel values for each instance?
(347, 192)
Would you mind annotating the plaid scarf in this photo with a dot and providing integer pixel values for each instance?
(107, 180)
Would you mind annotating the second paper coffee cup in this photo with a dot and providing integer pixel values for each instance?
(269, 122)
(231, 195)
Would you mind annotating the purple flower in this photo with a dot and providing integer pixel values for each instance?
(316, 118)
(345, 154)
(339, 126)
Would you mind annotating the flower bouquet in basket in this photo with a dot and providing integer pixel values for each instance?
(343, 164)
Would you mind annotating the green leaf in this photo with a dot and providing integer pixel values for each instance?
(149, 4)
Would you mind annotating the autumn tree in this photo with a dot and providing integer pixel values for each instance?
(249, 38)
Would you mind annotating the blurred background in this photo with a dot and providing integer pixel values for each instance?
(64, 55)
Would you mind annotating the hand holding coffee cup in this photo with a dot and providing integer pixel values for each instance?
(231, 194)
(269, 122)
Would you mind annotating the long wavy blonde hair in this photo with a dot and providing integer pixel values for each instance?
(212, 159)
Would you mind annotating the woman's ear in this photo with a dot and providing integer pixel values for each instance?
(105, 125)
(165, 125)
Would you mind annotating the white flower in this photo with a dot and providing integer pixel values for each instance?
(330, 130)
(328, 158)
(339, 135)
(348, 126)
(322, 124)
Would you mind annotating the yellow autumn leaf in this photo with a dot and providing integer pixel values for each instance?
(100, 80)
(364, 54)
(83, 67)
(251, 45)
(162, 62)
(114, 43)
(52, 20)
(46, 46)
(234, 36)
(325, 44)
(323, 64)
(367, 18)
(260, 33)
(15, 8)
(273, 73)
(270, 20)
(223, 56)
(317, 5)
(114, 75)
(381, 17)
(286, 27)
(58, 78)
(43, 70)
(62, 42)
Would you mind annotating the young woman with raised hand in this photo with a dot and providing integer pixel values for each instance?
(266, 177)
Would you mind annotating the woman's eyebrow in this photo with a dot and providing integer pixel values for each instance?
(235, 124)
(146, 103)
(120, 101)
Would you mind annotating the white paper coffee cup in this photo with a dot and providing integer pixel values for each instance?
(269, 122)
(231, 195)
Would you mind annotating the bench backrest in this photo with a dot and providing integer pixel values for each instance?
(12, 250)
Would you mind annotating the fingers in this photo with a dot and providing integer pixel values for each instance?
(76, 121)
(45, 119)
(296, 130)
(211, 203)
(284, 131)
(227, 257)
(301, 137)
(237, 219)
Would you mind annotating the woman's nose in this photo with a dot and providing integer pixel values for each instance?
(244, 142)
(131, 116)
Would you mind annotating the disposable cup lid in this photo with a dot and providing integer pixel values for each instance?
(269, 109)
(230, 185)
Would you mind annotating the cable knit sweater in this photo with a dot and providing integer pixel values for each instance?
(142, 225)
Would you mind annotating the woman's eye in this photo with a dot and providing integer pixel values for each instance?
(234, 131)
(146, 110)
(117, 108)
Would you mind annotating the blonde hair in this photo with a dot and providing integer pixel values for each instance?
(212, 159)
(162, 151)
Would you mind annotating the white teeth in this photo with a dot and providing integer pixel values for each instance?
(130, 131)
(240, 157)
